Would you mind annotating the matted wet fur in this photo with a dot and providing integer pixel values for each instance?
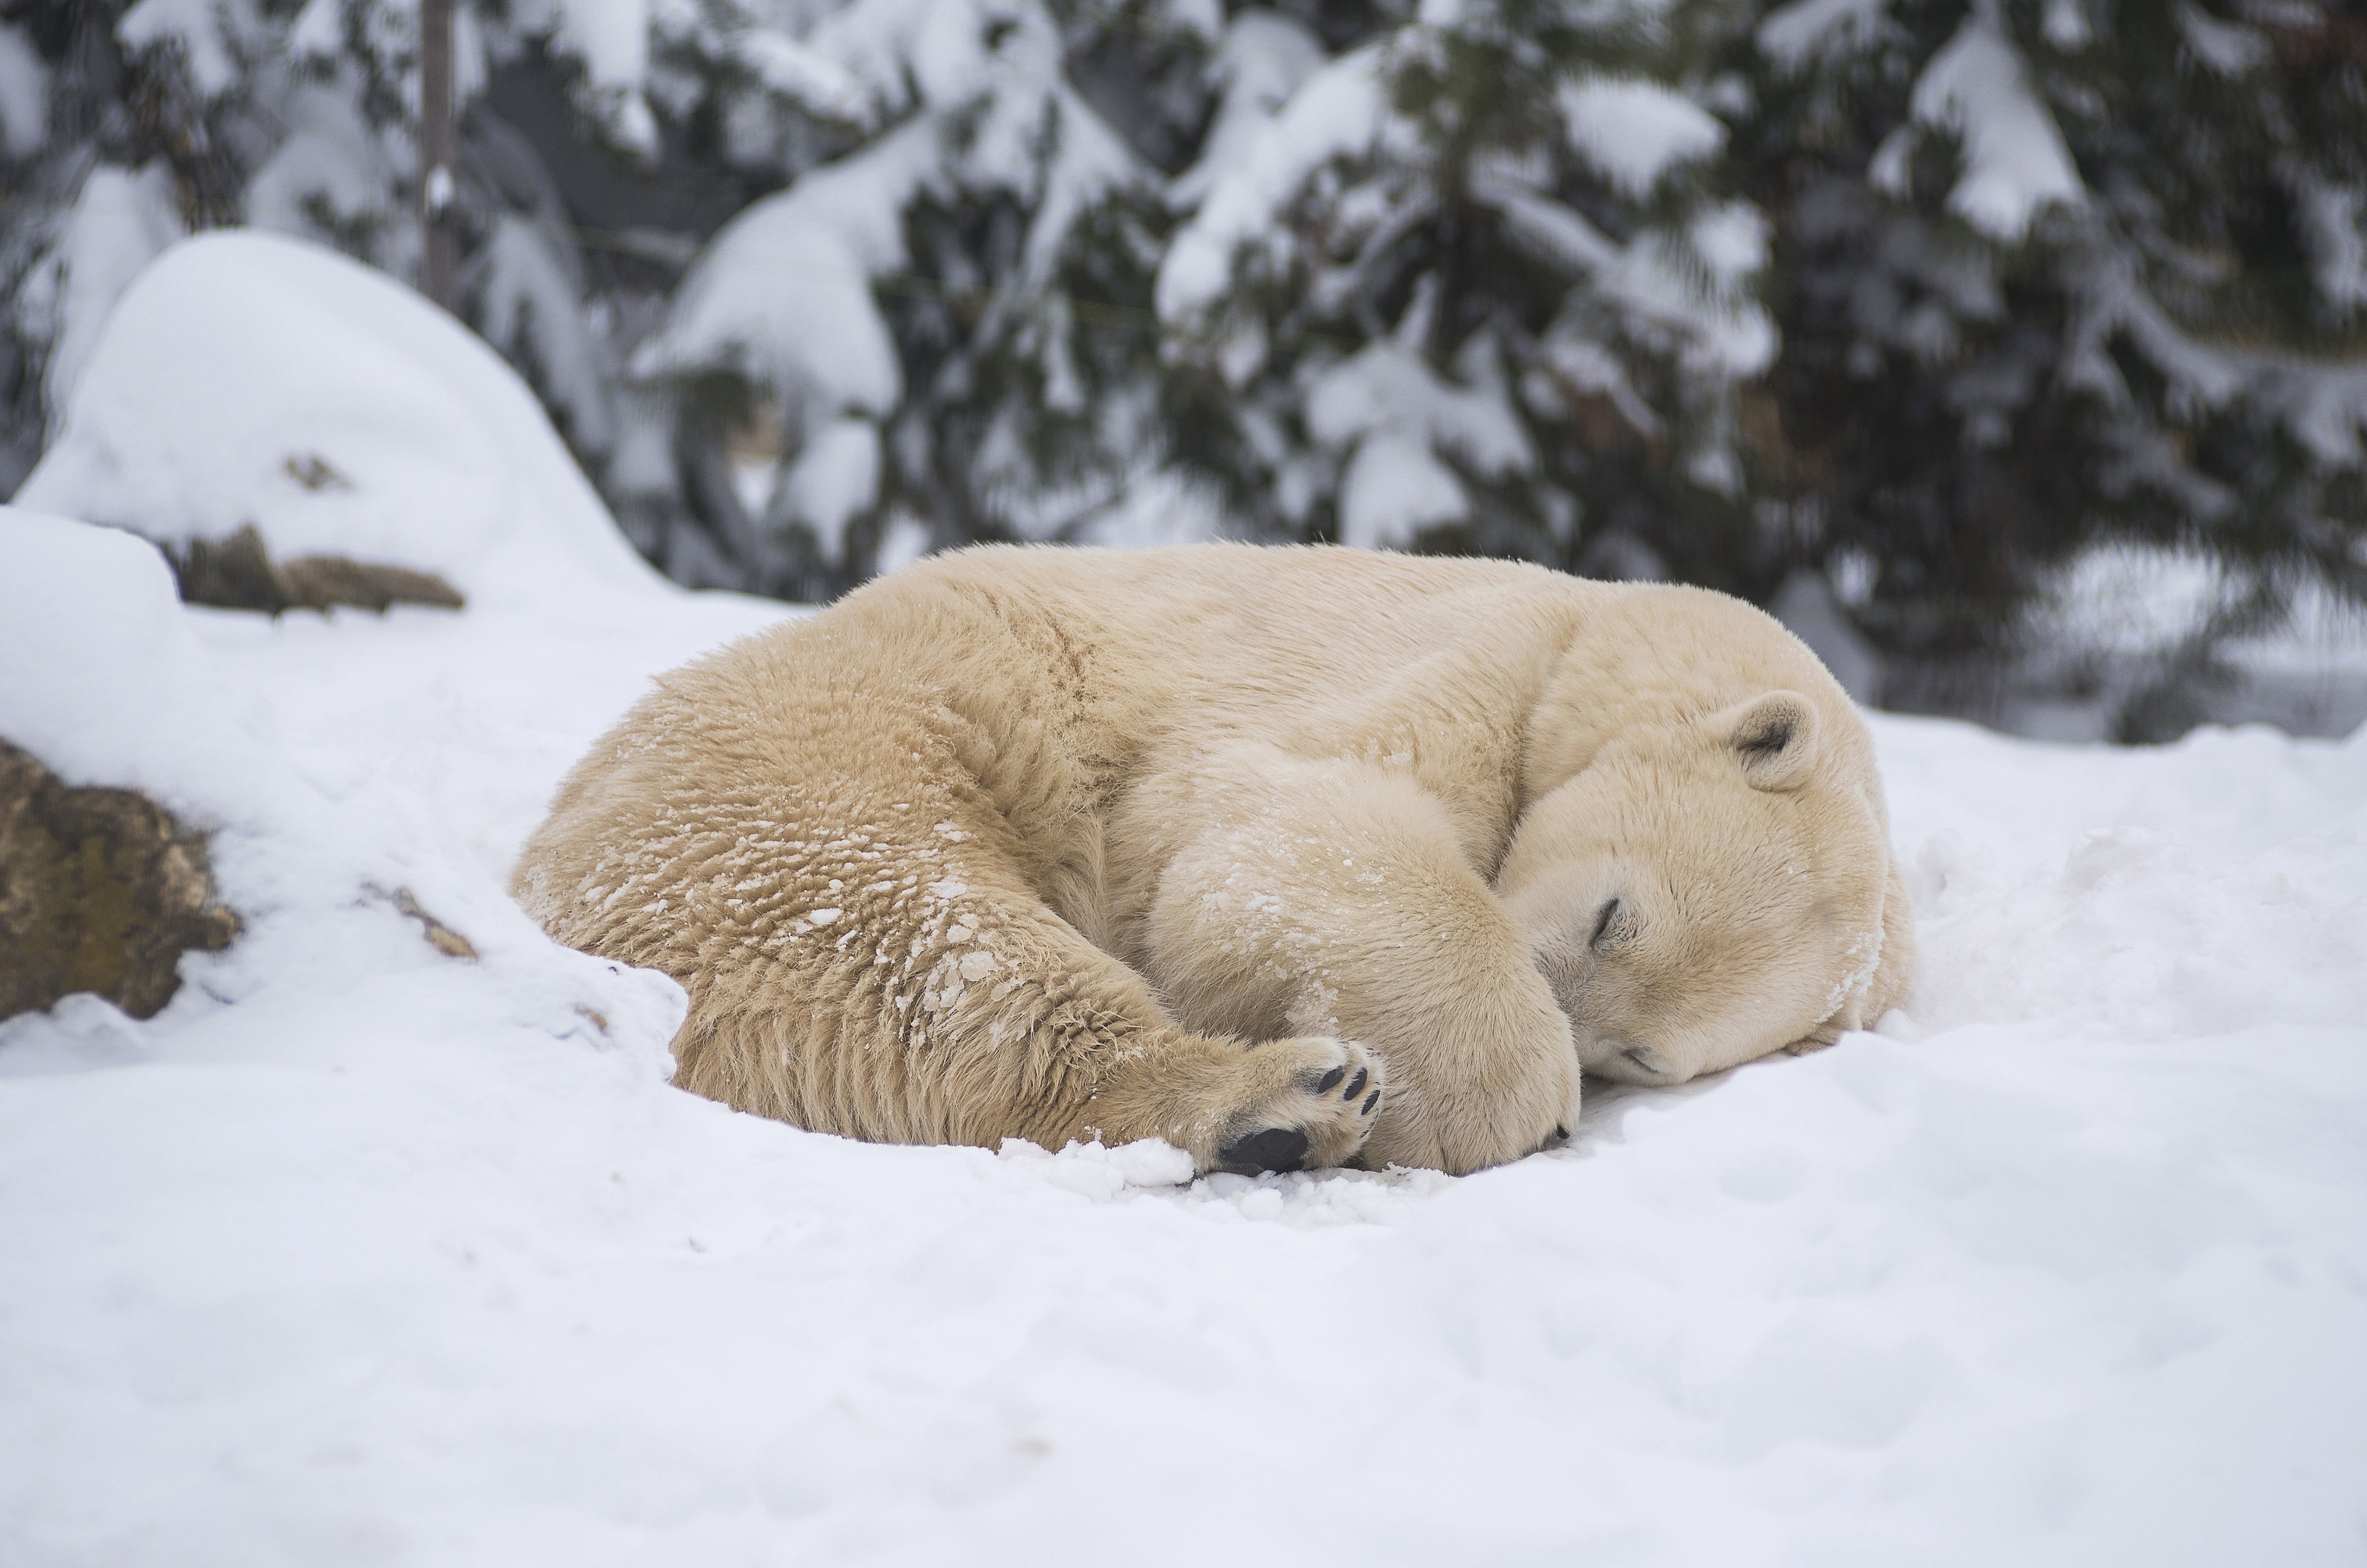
(1289, 856)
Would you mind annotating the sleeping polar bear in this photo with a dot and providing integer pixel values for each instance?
(1289, 856)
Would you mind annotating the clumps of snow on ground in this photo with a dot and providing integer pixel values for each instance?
(359, 1253)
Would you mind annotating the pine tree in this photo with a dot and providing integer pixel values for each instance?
(811, 286)
(2057, 274)
(941, 334)
(110, 148)
(129, 126)
(1473, 286)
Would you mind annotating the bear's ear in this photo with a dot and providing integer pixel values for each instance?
(1774, 737)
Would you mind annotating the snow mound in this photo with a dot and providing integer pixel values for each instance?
(1100, 1172)
(97, 654)
(2207, 891)
(248, 377)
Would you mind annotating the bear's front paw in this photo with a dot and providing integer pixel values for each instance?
(1314, 1106)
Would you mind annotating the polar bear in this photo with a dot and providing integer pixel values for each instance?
(1292, 857)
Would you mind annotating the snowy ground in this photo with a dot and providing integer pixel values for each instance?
(359, 1254)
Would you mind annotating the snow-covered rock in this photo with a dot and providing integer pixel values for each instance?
(98, 656)
(247, 377)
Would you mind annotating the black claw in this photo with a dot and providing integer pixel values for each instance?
(1355, 1085)
(1330, 1080)
(1276, 1149)
(1370, 1100)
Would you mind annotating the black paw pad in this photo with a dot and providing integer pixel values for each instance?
(1275, 1148)
(1370, 1100)
(1355, 1085)
(1331, 1080)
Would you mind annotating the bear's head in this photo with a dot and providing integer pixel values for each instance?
(1705, 890)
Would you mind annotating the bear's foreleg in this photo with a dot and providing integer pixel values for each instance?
(1334, 897)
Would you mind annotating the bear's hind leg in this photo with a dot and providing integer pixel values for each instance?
(981, 1015)
(866, 953)
(1029, 1031)
(1302, 1103)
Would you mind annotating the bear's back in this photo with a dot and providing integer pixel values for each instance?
(1210, 634)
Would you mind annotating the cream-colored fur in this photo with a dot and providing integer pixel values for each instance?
(1217, 843)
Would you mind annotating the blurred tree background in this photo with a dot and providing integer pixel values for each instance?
(1919, 320)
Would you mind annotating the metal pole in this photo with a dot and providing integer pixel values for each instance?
(439, 269)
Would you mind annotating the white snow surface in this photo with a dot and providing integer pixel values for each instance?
(360, 1254)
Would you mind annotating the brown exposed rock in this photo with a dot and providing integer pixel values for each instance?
(315, 472)
(100, 890)
(440, 937)
(238, 573)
